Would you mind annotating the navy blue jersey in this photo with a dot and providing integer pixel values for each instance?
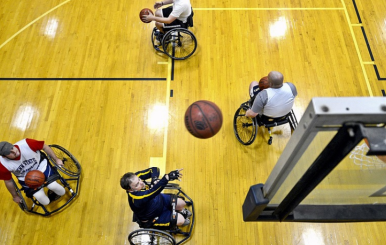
(148, 203)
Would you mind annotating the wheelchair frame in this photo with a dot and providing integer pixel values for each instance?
(245, 128)
(168, 235)
(173, 40)
(72, 176)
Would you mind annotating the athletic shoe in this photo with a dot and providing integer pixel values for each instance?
(52, 196)
(186, 213)
(187, 222)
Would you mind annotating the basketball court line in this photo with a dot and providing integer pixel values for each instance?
(160, 162)
(83, 79)
(266, 9)
(28, 25)
(357, 49)
(366, 40)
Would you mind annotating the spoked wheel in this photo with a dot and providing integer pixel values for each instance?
(179, 43)
(245, 128)
(150, 237)
(71, 165)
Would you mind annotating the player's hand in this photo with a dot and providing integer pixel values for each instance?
(60, 162)
(175, 175)
(158, 5)
(17, 199)
(148, 17)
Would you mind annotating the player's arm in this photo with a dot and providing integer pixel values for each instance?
(51, 153)
(152, 173)
(258, 105)
(160, 4)
(151, 17)
(140, 197)
(11, 188)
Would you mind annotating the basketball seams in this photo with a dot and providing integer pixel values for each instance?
(191, 119)
(206, 119)
(213, 106)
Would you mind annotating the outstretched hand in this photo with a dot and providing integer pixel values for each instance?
(148, 17)
(175, 175)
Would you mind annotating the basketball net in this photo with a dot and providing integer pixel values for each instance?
(359, 157)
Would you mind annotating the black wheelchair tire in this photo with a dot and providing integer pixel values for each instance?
(71, 165)
(175, 48)
(153, 236)
(245, 128)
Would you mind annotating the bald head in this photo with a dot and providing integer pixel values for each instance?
(275, 79)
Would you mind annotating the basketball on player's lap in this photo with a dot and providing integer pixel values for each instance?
(143, 12)
(203, 119)
(263, 83)
(34, 179)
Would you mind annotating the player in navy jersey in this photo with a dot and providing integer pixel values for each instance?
(22, 157)
(147, 201)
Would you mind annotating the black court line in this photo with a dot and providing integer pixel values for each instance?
(383, 92)
(367, 42)
(82, 79)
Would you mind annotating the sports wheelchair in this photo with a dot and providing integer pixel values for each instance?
(167, 236)
(178, 43)
(245, 128)
(68, 176)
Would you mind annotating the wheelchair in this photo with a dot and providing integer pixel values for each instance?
(177, 43)
(68, 176)
(245, 128)
(167, 236)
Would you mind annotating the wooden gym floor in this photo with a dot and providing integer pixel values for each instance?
(83, 74)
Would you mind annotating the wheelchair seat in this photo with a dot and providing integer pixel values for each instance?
(68, 176)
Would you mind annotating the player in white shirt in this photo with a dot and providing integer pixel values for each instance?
(170, 17)
(23, 157)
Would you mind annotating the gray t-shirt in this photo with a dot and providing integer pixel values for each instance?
(275, 102)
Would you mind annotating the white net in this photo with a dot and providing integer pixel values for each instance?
(359, 157)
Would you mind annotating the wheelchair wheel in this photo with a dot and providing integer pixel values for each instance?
(150, 237)
(245, 128)
(23, 205)
(179, 43)
(71, 165)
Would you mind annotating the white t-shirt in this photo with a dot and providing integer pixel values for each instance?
(181, 10)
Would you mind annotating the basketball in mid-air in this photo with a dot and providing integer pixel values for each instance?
(263, 83)
(145, 11)
(34, 179)
(203, 119)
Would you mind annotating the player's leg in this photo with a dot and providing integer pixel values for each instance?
(159, 25)
(56, 189)
(41, 197)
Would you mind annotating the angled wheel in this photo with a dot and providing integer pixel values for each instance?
(179, 43)
(150, 237)
(71, 165)
(245, 128)
(23, 205)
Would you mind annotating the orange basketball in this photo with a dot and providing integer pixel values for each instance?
(203, 119)
(145, 11)
(263, 83)
(34, 179)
